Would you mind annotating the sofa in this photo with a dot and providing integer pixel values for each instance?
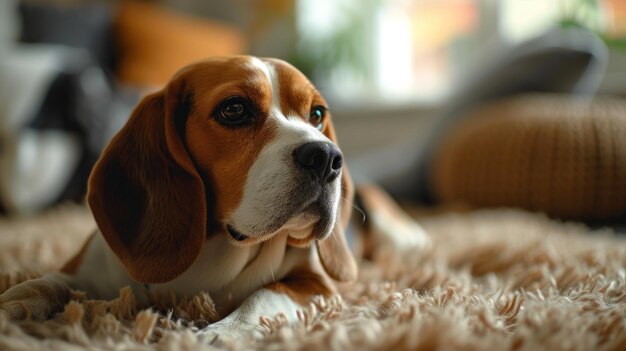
(70, 75)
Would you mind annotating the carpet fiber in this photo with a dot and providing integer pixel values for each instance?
(493, 280)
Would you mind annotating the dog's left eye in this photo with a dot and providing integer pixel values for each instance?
(316, 117)
(233, 111)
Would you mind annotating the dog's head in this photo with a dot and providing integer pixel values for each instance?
(237, 146)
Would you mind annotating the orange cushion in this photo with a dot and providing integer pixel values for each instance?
(154, 42)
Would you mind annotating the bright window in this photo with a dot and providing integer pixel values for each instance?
(413, 50)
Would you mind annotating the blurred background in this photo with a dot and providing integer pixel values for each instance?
(485, 103)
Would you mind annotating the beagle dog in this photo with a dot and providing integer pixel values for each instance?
(228, 181)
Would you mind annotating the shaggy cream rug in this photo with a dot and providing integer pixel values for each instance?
(494, 280)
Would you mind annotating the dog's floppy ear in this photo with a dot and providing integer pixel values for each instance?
(335, 255)
(145, 192)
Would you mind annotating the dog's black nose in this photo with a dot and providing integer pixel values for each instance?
(321, 158)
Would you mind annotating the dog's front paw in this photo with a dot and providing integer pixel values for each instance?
(34, 299)
(391, 228)
(18, 310)
(224, 333)
(406, 236)
(401, 235)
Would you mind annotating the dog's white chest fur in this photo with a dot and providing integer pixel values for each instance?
(227, 272)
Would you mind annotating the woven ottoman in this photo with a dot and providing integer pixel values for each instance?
(544, 152)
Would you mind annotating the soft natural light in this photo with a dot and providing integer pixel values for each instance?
(395, 78)
(317, 18)
(416, 48)
(538, 16)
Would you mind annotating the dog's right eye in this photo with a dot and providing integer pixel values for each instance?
(233, 111)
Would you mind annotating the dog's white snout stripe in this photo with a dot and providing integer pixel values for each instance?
(274, 174)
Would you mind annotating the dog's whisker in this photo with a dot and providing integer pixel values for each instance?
(271, 265)
(333, 236)
(363, 215)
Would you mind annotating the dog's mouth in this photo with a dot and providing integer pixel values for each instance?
(313, 223)
(306, 215)
(238, 238)
(299, 235)
(235, 234)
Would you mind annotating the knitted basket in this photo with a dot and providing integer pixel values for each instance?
(549, 153)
